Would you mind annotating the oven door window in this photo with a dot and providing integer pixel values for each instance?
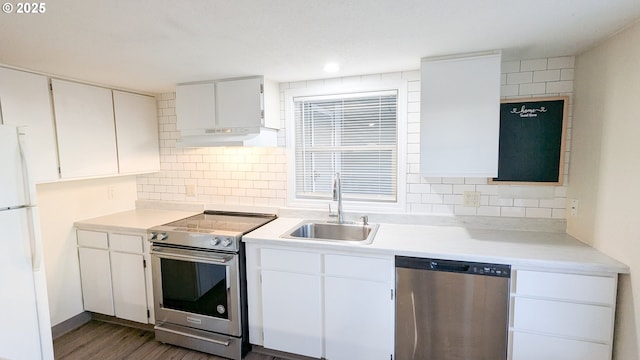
(195, 287)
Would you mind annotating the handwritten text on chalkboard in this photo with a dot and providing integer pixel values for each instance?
(524, 112)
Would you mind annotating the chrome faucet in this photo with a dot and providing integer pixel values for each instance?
(337, 196)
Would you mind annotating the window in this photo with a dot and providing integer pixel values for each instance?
(354, 134)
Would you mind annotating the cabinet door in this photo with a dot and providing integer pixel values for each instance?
(129, 286)
(86, 130)
(95, 275)
(460, 116)
(584, 321)
(527, 346)
(137, 132)
(195, 107)
(239, 103)
(358, 319)
(292, 312)
(567, 287)
(24, 101)
(254, 293)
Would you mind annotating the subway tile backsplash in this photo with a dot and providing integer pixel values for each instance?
(258, 176)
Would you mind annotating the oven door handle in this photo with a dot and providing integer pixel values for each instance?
(209, 258)
(176, 332)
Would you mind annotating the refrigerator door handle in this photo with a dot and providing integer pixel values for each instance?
(1, 114)
(34, 238)
(25, 156)
(36, 245)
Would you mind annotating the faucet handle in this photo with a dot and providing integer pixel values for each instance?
(365, 219)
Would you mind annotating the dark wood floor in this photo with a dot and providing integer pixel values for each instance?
(106, 341)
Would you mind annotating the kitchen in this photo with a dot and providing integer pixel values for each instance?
(603, 187)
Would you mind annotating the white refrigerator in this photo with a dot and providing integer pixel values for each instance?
(25, 326)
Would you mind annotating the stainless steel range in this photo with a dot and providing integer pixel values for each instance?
(199, 282)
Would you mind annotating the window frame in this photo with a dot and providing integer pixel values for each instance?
(329, 88)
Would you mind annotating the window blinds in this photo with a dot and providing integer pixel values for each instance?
(353, 134)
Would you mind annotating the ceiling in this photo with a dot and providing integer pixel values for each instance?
(150, 45)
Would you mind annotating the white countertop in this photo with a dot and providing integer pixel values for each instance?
(518, 248)
(134, 220)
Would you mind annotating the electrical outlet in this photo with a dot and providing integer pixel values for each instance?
(574, 207)
(190, 190)
(471, 199)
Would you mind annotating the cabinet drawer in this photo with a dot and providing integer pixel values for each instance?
(564, 319)
(126, 243)
(286, 260)
(535, 347)
(93, 239)
(584, 288)
(358, 267)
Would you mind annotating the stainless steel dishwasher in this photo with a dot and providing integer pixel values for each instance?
(451, 310)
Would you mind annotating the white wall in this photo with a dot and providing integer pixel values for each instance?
(60, 205)
(257, 176)
(605, 168)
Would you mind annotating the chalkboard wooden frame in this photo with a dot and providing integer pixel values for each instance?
(534, 117)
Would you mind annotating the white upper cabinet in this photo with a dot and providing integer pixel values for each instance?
(460, 116)
(24, 101)
(136, 120)
(96, 132)
(231, 112)
(239, 103)
(86, 130)
(195, 106)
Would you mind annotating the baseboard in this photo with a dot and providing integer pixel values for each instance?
(70, 324)
(123, 322)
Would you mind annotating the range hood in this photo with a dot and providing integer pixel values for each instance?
(228, 112)
(230, 137)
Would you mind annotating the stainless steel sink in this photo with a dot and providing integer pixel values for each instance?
(346, 232)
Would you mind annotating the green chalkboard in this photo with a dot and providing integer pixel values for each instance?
(532, 133)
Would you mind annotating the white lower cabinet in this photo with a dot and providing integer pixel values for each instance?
(114, 276)
(129, 287)
(95, 271)
(359, 307)
(321, 304)
(358, 328)
(292, 301)
(561, 316)
(340, 306)
(292, 312)
(529, 346)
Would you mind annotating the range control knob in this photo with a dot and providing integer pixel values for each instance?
(153, 236)
(215, 241)
(226, 242)
(162, 236)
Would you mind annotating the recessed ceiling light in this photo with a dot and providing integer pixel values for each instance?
(331, 67)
